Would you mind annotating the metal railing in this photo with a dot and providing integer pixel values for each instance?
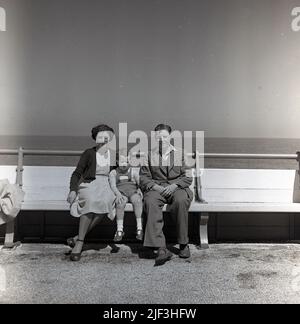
(40, 152)
(250, 156)
(205, 155)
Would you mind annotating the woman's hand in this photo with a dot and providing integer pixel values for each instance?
(71, 197)
(120, 199)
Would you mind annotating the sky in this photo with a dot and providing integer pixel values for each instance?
(230, 68)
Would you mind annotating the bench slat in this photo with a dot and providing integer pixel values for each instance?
(248, 196)
(195, 207)
(211, 179)
(210, 195)
(248, 179)
(47, 176)
(247, 207)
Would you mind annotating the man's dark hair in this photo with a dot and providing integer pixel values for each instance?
(102, 128)
(161, 127)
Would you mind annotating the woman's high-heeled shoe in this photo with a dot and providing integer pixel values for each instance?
(75, 257)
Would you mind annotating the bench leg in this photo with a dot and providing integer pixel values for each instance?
(9, 236)
(203, 230)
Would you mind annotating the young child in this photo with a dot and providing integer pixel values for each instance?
(125, 184)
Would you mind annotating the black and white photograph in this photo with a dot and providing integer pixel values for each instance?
(149, 155)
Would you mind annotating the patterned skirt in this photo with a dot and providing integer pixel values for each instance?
(95, 197)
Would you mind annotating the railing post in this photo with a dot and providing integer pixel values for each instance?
(198, 181)
(298, 160)
(203, 230)
(20, 169)
(10, 227)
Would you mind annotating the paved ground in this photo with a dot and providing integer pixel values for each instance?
(223, 274)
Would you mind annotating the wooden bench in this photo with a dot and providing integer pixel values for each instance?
(47, 188)
(223, 190)
(226, 191)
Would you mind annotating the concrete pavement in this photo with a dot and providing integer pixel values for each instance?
(229, 273)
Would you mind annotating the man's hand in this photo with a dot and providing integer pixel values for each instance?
(168, 191)
(158, 188)
(71, 197)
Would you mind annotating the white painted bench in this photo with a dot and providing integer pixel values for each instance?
(224, 190)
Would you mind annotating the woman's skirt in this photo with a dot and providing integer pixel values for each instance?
(95, 197)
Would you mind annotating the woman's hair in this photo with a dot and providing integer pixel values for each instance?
(161, 127)
(102, 128)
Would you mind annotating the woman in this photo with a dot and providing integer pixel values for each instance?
(91, 197)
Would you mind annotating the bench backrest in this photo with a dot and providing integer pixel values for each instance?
(9, 173)
(48, 183)
(251, 186)
(218, 185)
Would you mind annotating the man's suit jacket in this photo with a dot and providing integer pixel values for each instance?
(153, 171)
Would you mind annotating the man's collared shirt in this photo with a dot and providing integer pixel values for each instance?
(166, 155)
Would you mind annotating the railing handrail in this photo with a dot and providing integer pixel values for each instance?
(42, 152)
(250, 156)
(205, 155)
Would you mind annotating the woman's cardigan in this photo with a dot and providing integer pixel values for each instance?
(86, 168)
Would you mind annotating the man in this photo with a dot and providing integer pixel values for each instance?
(164, 180)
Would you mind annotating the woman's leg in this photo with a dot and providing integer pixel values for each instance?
(95, 221)
(84, 225)
(137, 203)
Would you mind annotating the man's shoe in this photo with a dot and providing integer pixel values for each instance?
(185, 252)
(163, 256)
